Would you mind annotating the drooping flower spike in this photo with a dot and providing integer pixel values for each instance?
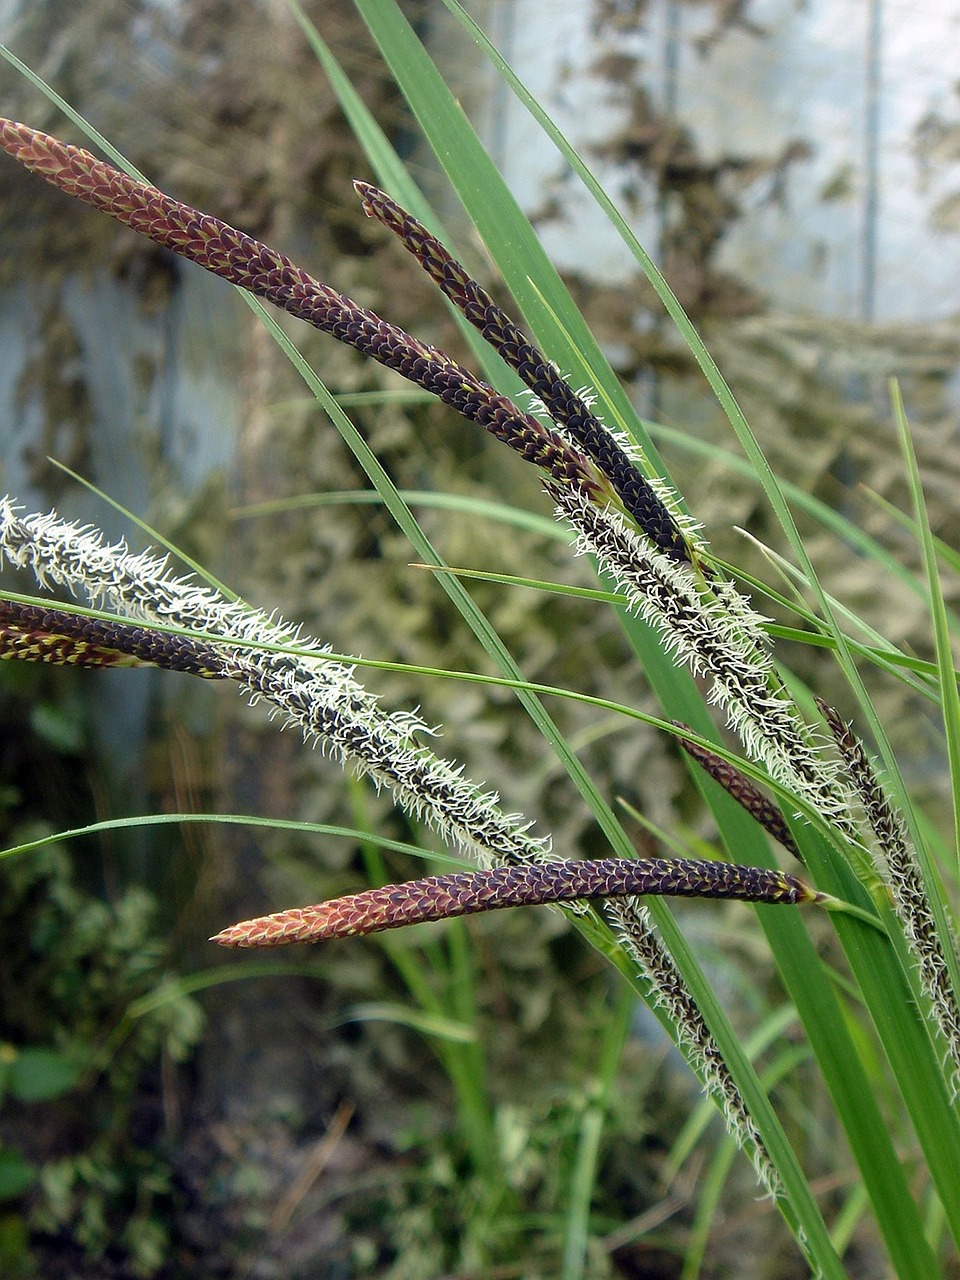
(567, 407)
(739, 786)
(466, 893)
(248, 263)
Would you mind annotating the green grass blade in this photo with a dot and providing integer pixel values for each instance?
(950, 696)
(583, 1179)
(229, 819)
(481, 508)
(947, 554)
(432, 1026)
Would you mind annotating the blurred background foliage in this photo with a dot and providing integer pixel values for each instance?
(181, 1131)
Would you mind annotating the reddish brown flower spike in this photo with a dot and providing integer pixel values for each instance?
(742, 790)
(443, 897)
(564, 405)
(239, 258)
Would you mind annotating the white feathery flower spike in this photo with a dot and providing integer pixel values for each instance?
(725, 644)
(631, 923)
(319, 695)
(897, 861)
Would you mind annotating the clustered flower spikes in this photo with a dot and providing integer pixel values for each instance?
(712, 628)
(432, 788)
(631, 524)
(251, 265)
(630, 527)
(270, 659)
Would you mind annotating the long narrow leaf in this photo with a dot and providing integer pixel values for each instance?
(938, 611)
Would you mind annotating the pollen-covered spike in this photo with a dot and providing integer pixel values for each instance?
(886, 822)
(669, 991)
(698, 629)
(564, 405)
(466, 893)
(737, 785)
(904, 877)
(308, 689)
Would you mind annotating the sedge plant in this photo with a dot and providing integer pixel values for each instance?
(799, 774)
